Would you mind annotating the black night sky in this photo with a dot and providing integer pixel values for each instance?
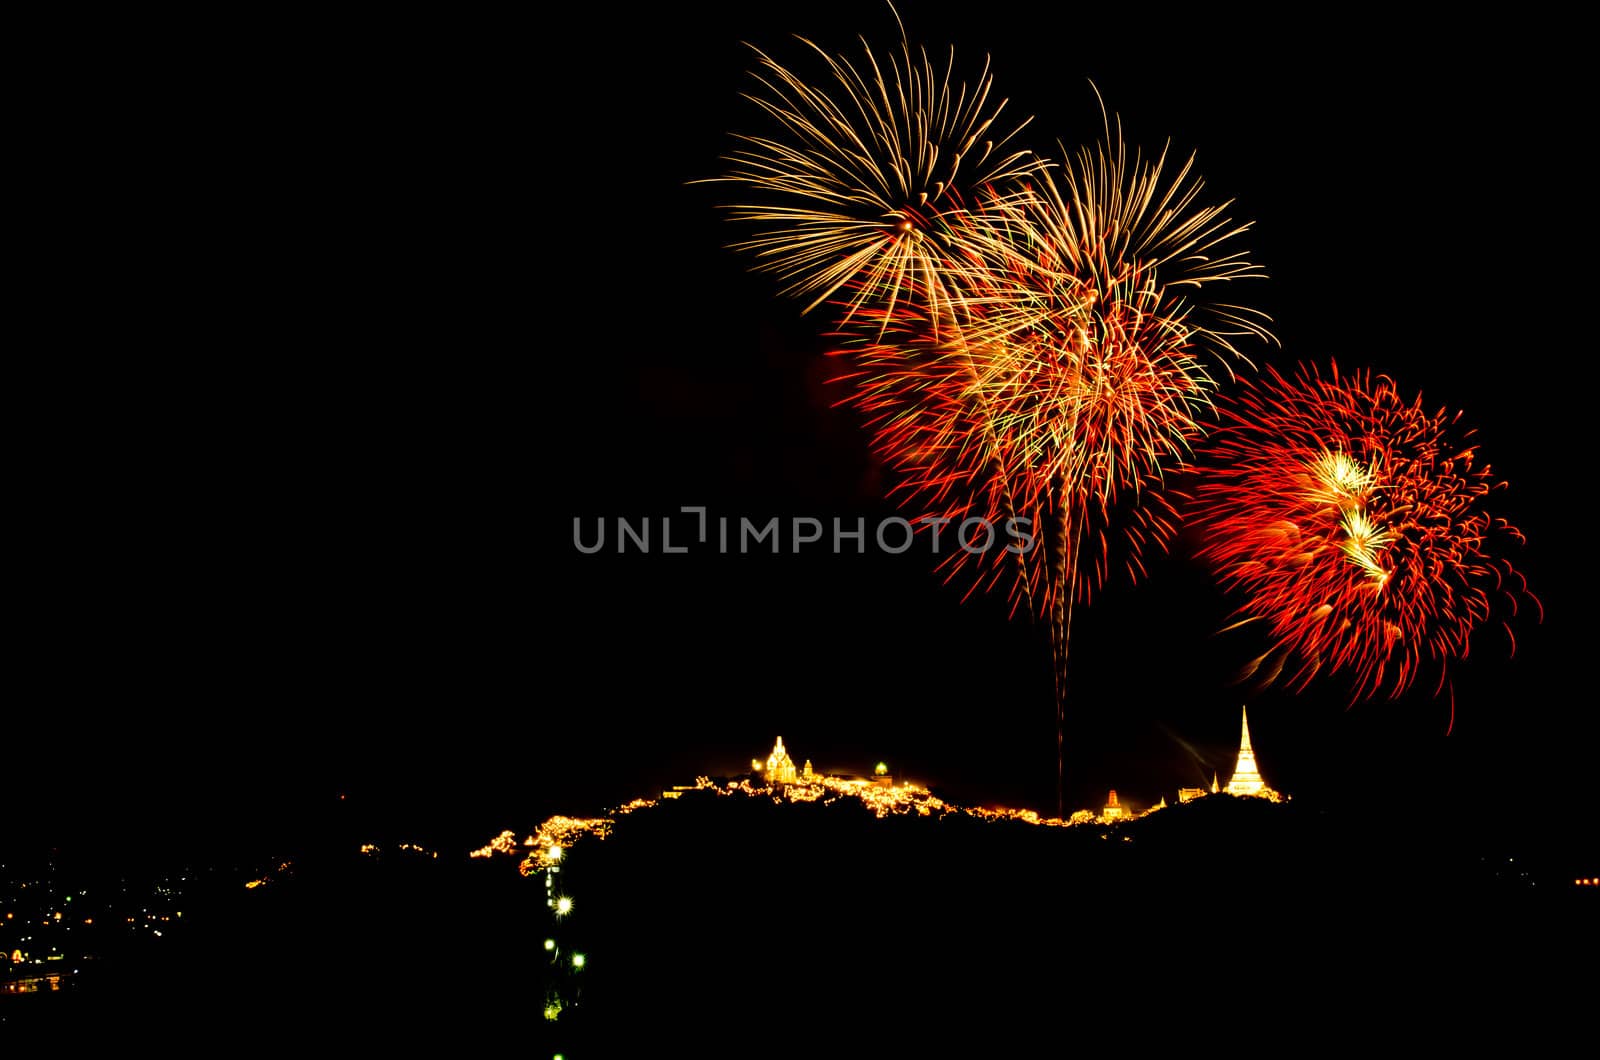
(344, 326)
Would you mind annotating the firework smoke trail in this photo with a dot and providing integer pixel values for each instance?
(1352, 523)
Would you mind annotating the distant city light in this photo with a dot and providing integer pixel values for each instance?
(755, 765)
(549, 944)
(555, 853)
(563, 906)
(881, 769)
(579, 960)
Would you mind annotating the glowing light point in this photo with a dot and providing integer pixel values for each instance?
(881, 769)
(549, 944)
(555, 854)
(563, 906)
(579, 960)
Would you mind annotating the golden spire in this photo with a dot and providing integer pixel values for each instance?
(1246, 778)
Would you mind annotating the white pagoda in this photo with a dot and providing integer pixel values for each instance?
(1246, 778)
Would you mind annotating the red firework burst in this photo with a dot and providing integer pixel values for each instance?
(1353, 523)
(999, 432)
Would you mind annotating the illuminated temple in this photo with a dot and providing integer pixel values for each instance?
(1246, 781)
(1246, 778)
(780, 767)
(805, 784)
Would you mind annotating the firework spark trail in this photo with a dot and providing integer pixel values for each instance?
(1352, 523)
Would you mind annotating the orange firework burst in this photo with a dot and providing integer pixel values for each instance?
(859, 193)
(1353, 523)
(1097, 306)
(1076, 369)
(1077, 366)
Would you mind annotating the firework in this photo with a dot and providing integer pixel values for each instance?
(859, 193)
(1025, 344)
(1097, 304)
(1076, 369)
(1352, 522)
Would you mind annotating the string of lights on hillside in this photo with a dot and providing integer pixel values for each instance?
(776, 778)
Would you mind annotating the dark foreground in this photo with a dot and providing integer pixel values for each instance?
(736, 926)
